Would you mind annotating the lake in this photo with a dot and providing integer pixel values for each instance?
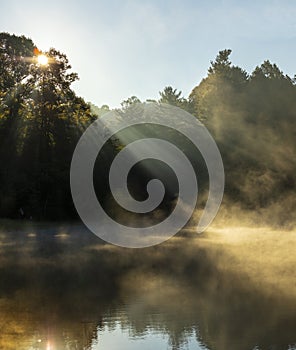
(63, 288)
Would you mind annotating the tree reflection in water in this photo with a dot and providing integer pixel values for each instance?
(62, 288)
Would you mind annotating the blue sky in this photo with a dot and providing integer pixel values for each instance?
(137, 47)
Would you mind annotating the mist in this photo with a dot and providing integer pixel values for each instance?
(62, 287)
(69, 277)
(252, 118)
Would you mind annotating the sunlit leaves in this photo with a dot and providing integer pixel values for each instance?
(41, 119)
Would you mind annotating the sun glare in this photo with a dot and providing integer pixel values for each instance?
(42, 60)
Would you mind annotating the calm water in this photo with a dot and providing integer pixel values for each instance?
(62, 288)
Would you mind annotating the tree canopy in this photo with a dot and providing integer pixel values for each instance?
(41, 119)
(251, 116)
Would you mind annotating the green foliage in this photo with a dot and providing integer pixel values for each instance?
(221, 64)
(40, 122)
(98, 111)
(15, 54)
(170, 96)
(173, 97)
(269, 71)
(125, 104)
(252, 117)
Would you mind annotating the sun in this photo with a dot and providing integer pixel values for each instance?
(42, 60)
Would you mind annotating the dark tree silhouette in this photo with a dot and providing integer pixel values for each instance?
(40, 122)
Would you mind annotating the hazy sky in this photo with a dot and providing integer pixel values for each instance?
(137, 47)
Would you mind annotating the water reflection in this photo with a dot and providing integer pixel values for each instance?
(62, 288)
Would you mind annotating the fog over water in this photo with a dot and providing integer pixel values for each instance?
(229, 288)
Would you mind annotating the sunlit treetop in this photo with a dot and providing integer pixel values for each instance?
(42, 60)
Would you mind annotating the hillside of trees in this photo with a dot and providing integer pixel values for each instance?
(250, 115)
(253, 120)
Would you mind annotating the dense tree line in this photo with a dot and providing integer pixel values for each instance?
(251, 116)
(41, 119)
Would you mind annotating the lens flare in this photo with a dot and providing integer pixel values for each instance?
(42, 60)
(159, 115)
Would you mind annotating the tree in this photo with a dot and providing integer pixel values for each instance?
(224, 83)
(252, 118)
(41, 125)
(269, 71)
(170, 96)
(125, 104)
(58, 118)
(173, 97)
(98, 111)
(16, 54)
(222, 63)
